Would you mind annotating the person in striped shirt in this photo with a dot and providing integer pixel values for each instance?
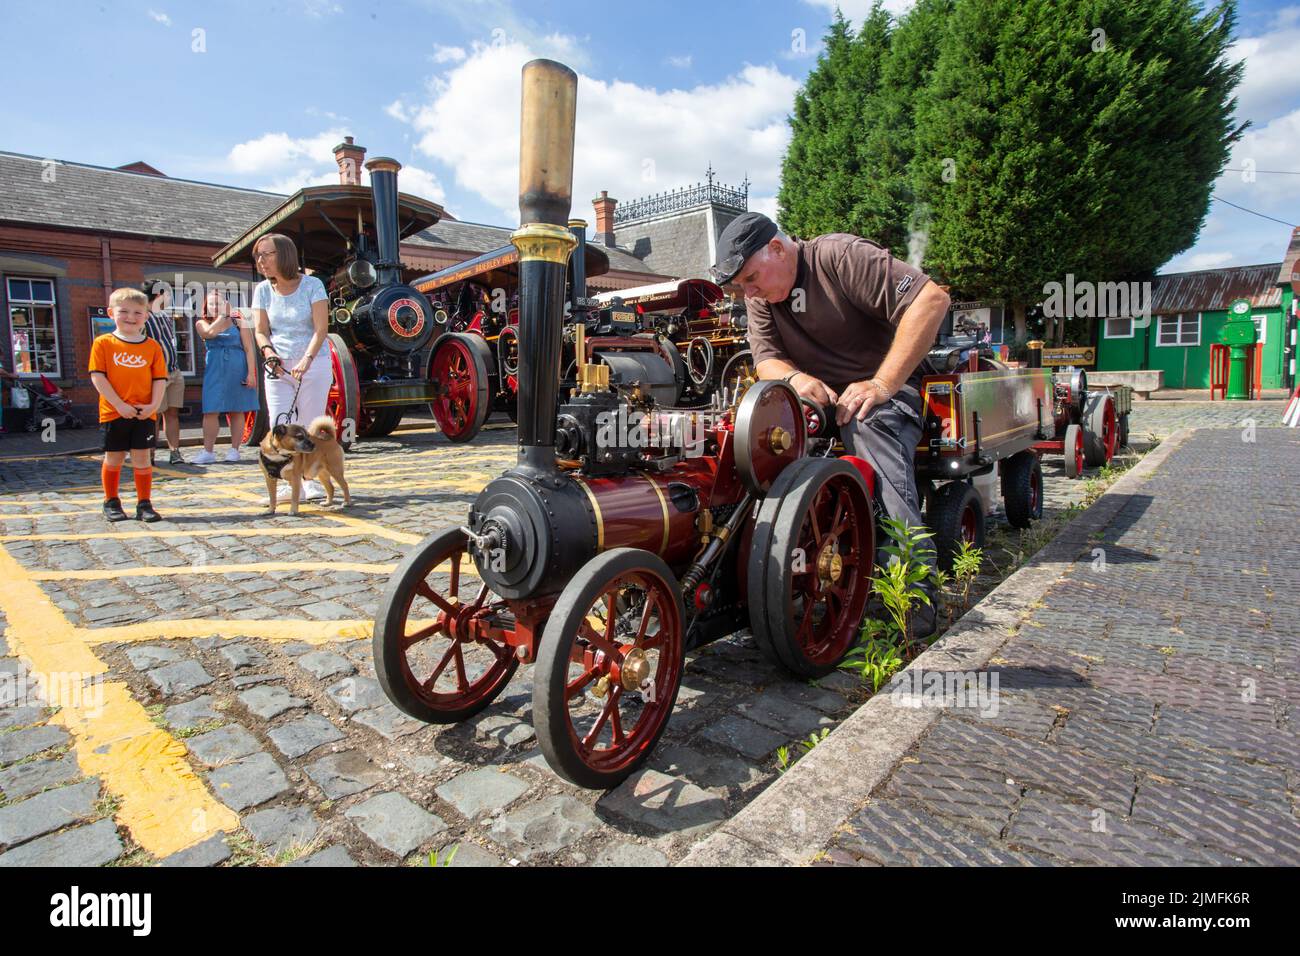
(162, 329)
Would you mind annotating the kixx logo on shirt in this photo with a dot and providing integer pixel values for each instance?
(129, 360)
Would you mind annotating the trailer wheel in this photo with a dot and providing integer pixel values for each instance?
(1099, 431)
(608, 668)
(430, 656)
(810, 566)
(956, 515)
(1022, 489)
(1073, 451)
(1121, 439)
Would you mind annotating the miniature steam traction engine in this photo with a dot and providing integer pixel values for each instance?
(603, 557)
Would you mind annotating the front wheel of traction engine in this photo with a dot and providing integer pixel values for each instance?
(609, 665)
(435, 655)
(460, 374)
(811, 564)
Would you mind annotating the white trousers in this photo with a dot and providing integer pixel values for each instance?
(311, 397)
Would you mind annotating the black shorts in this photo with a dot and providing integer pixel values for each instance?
(124, 434)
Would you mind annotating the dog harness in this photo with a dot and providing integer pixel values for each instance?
(273, 467)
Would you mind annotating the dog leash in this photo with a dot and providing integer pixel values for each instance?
(284, 418)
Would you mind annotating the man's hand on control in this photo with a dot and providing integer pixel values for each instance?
(859, 399)
(814, 389)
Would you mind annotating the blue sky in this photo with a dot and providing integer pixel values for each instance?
(256, 94)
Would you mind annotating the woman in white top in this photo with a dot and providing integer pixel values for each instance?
(291, 321)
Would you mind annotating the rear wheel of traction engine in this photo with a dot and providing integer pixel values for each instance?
(1022, 489)
(810, 566)
(956, 515)
(343, 403)
(1100, 432)
(432, 658)
(464, 397)
(608, 667)
(1072, 451)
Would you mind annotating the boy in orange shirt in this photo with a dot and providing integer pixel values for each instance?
(130, 373)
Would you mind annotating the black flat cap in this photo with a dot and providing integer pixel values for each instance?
(743, 237)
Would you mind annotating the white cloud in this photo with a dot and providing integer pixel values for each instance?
(398, 111)
(160, 18)
(274, 152)
(1208, 260)
(1268, 88)
(318, 9)
(681, 62)
(448, 54)
(856, 11)
(420, 182)
(631, 140)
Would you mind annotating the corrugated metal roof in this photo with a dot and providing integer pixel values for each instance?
(1212, 290)
(1292, 261)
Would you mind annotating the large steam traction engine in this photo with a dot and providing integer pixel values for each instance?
(606, 564)
(385, 340)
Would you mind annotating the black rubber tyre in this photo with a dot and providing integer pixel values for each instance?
(390, 649)
(382, 421)
(1099, 430)
(1074, 451)
(789, 597)
(553, 686)
(956, 514)
(1121, 440)
(1022, 489)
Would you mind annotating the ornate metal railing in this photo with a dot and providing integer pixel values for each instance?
(676, 200)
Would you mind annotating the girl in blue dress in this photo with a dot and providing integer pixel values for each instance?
(229, 374)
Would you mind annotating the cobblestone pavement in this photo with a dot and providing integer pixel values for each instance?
(218, 702)
(1146, 713)
(1163, 418)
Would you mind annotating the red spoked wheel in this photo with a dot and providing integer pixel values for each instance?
(461, 378)
(439, 646)
(1101, 430)
(609, 667)
(810, 566)
(256, 424)
(1073, 450)
(343, 403)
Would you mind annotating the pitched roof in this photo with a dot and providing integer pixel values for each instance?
(1291, 261)
(115, 200)
(1214, 289)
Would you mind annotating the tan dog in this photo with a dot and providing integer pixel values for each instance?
(292, 453)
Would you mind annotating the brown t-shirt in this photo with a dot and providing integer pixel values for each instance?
(854, 293)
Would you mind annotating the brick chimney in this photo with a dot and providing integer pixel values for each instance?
(349, 156)
(604, 219)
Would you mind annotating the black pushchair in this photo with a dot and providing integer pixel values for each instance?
(47, 402)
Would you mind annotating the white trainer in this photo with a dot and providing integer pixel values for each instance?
(232, 456)
(204, 458)
(312, 490)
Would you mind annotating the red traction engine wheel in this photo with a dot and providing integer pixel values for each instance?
(458, 366)
(439, 642)
(343, 403)
(609, 667)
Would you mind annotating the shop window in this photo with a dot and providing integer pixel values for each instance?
(33, 326)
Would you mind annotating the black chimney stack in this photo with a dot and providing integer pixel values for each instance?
(546, 131)
(383, 192)
(578, 267)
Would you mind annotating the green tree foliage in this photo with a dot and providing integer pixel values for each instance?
(1023, 139)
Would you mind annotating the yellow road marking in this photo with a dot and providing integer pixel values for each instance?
(275, 532)
(309, 632)
(162, 801)
(258, 567)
